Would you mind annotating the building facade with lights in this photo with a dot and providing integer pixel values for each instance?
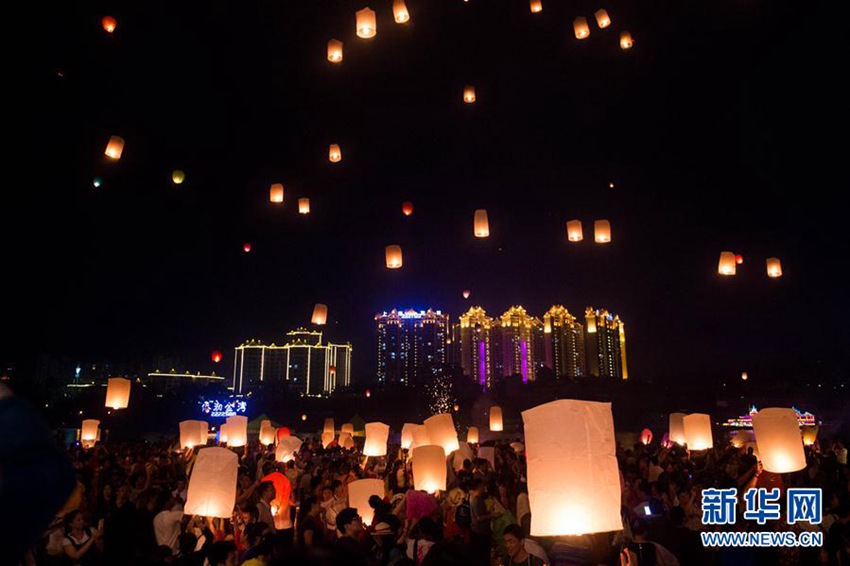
(605, 344)
(474, 334)
(303, 363)
(517, 341)
(412, 345)
(563, 342)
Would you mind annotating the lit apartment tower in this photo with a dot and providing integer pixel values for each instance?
(517, 332)
(304, 364)
(563, 342)
(475, 342)
(605, 342)
(411, 344)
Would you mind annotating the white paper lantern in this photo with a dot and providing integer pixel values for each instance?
(329, 426)
(346, 440)
(676, 432)
(320, 314)
(407, 435)
(89, 430)
(237, 431)
(698, 431)
(779, 440)
(347, 428)
(190, 434)
(267, 433)
(376, 439)
(573, 478)
(429, 468)
(327, 438)
(472, 435)
(496, 419)
(420, 438)
(212, 485)
(367, 26)
(441, 431)
(360, 491)
(222, 434)
(117, 393)
(287, 448)
(204, 432)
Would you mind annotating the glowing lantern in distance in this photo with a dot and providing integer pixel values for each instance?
(334, 153)
(677, 428)
(602, 231)
(580, 27)
(744, 376)
(303, 206)
(407, 208)
(393, 257)
(212, 485)
(88, 432)
(276, 193)
(109, 24)
(407, 435)
(466, 293)
(496, 419)
(114, 148)
(303, 417)
(574, 231)
(481, 225)
(429, 468)
(246, 247)
(472, 435)
(97, 182)
(401, 16)
(774, 267)
(810, 435)
(367, 26)
(726, 264)
(645, 437)
(237, 431)
(626, 41)
(376, 439)
(335, 51)
(698, 431)
(178, 176)
(117, 393)
(216, 356)
(368, 393)
(469, 94)
(602, 19)
(320, 314)
(739, 259)
(779, 441)
(347, 428)
(536, 6)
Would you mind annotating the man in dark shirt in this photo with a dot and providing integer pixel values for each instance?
(480, 532)
(348, 545)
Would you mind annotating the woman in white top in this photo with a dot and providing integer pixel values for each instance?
(79, 540)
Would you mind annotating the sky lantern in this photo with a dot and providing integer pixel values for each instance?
(287, 448)
(359, 492)
(88, 431)
(407, 208)
(376, 439)
(327, 439)
(602, 19)
(117, 393)
(407, 435)
(400, 13)
(347, 428)
(367, 24)
(346, 440)
(626, 41)
(779, 440)
(466, 293)
(441, 431)
(246, 247)
(677, 428)
(303, 206)
(303, 417)
(580, 27)
(190, 434)
(574, 231)
(481, 226)
(420, 436)
(536, 6)
(335, 51)
(109, 24)
(203, 432)
(320, 314)
(573, 478)
(212, 485)
(216, 356)
(744, 376)
(178, 176)
(114, 148)
(222, 433)
(97, 182)
(472, 435)
(329, 425)
(698, 431)
(726, 264)
(739, 259)
(429, 468)
(774, 268)
(602, 231)
(393, 256)
(810, 435)
(496, 424)
(276, 193)
(469, 94)
(267, 432)
(237, 431)
(334, 153)
(645, 437)
(368, 393)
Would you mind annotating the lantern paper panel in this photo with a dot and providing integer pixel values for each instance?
(329, 425)
(726, 265)
(407, 435)
(420, 437)
(466, 293)
(429, 468)
(360, 491)
(626, 41)
(481, 225)
(276, 193)
(464, 452)
(580, 27)
(496, 424)
(367, 25)
(334, 51)
(810, 435)
(536, 6)
(472, 435)
(303, 206)
(441, 431)
(320, 314)
(779, 440)
(114, 148)
(222, 433)
(347, 428)
(401, 16)
(287, 448)
(89, 430)
(602, 19)
(203, 432)
(345, 440)
(267, 433)
(677, 428)
(393, 257)
(327, 438)
(574, 231)
(469, 94)
(190, 433)
(237, 431)
(602, 231)
(698, 431)
(117, 393)
(573, 478)
(212, 485)
(377, 435)
(334, 153)
(774, 267)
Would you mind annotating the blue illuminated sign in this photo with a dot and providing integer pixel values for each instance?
(223, 408)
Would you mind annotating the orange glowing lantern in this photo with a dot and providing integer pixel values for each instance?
(109, 24)
(114, 148)
(334, 153)
(359, 492)
(320, 314)
(393, 256)
(496, 424)
(407, 208)
(178, 176)
(441, 431)
(646, 437)
(276, 193)
(472, 435)
(469, 94)
(698, 431)
(216, 356)
(367, 25)
(602, 19)
(574, 231)
(190, 434)
(407, 435)
(303, 206)
(400, 13)
(810, 435)
(779, 441)
(602, 231)
(466, 293)
(377, 435)
(267, 433)
(287, 448)
(347, 428)
(774, 268)
(580, 27)
(739, 259)
(429, 468)
(726, 264)
(677, 428)
(626, 41)
(212, 485)
(89, 431)
(117, 393)
(536, 6)
(335, 51)
(481, 226)
(246, 247)
(237, 431)
(303, 417)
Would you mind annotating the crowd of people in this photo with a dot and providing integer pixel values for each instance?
(127, 509)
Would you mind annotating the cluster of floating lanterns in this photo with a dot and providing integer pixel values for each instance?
(728, 264)
(601, 231)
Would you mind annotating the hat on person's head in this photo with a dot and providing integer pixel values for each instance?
(382, 529)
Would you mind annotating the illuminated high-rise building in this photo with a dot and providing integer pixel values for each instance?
(475, 342)
(516, 331)
(304, 364)
(563, 338)
(411, 345)
(605, 343)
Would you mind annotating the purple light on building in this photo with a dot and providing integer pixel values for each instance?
(523, 348)
(482, 364)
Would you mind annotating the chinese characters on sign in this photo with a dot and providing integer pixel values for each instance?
(224, 408)
(762, 505)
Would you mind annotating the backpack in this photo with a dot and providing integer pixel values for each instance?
(463, 514)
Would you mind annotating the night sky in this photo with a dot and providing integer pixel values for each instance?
(719, 129)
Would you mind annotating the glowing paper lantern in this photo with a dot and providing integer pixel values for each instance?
(216, 356)
(407, 435)
(677, 428)
(393, 256)
(347, 428)
(89, 430)
(774, 268)
(246, 247)
(602, 231)
(574, 231)
(203, 432)
(334, 153)
(367, 25)
(602, 19)
(402, 16)
(346, 441)
(376, 439)
(466, 293)
(320, 314)
(360, 491)
(114, 148)
(536, 6)
(744, 376)
(429, 468)
(329, 426)
(335, 51)
(237, 431)
(726, 264)
(212, 485)
(573, 478)
(441, 431)
(469, 94)
(267, 433)
(109, 24)
(472, 435)
(190, 434)
(698, 431)
(97, 182)
(420, 437)
(580, 27)
(407, 208)
(739, 259)
(283, 432)
(178, 176)
(626, 40)
(276, 193)
(303, 417)
(222, 434)
(645, 436)
(287, 448)
(303, 206)
(117, 393)
(481, 226)
(327, 438)
(496, 419)
(779, 441)
(810, 435)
